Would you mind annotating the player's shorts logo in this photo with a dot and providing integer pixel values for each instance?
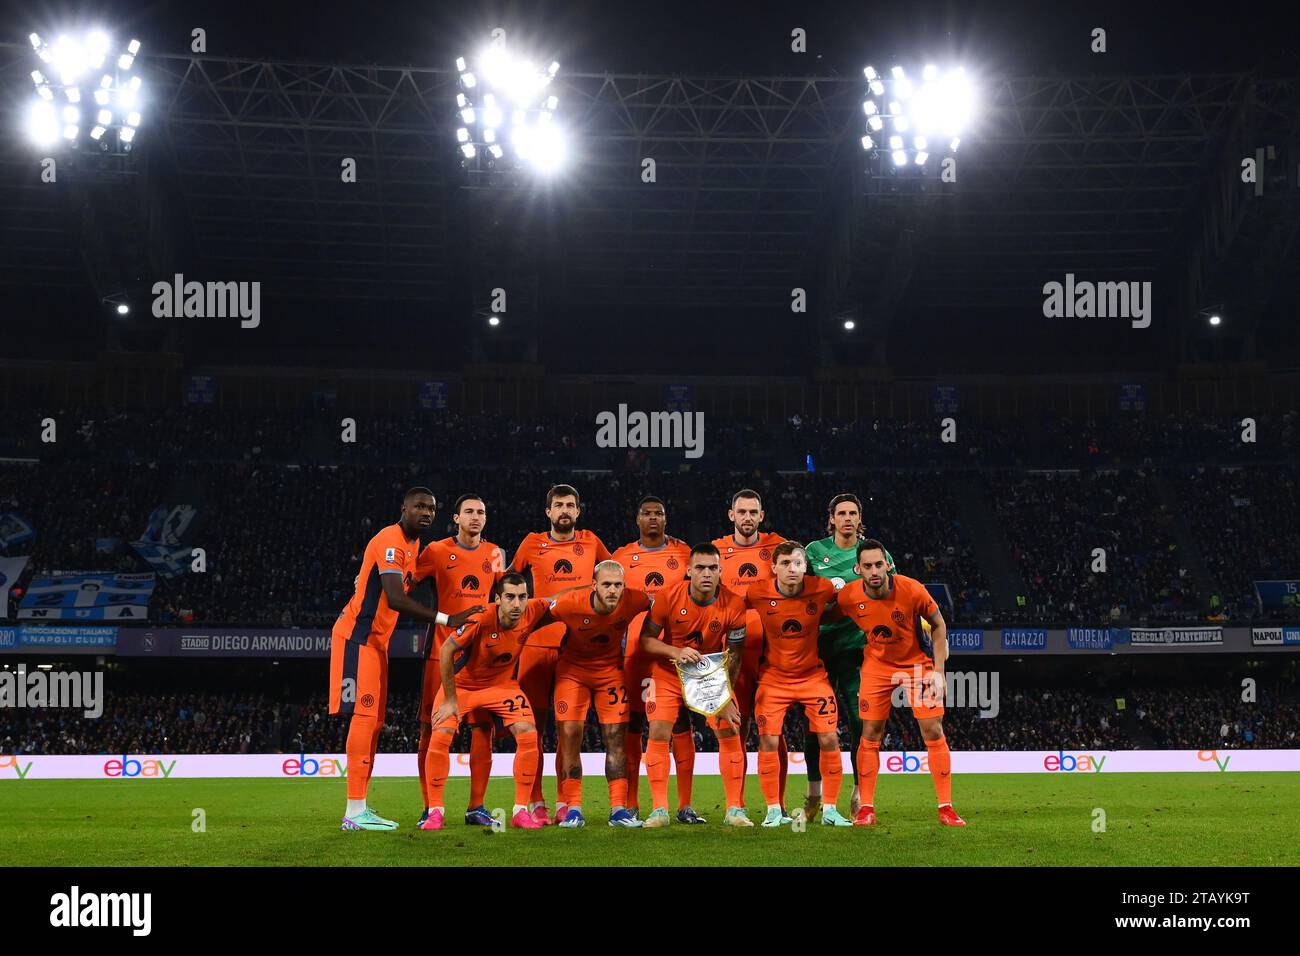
(897, 617)
(563, 566)
(672, 565)
(368, 700)
(765, 555)
(649, 706)
(561, 706)
(469, 583)
(654, 580)
(502, 659)
(578, 550)
(811, 609)
(791, 626)
(748, 570)
(882, 634)
(715, 626)
(762, 721)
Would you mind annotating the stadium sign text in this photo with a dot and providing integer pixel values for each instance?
(304, 766)
(1062, 762)
(131, 767)
(16, 765)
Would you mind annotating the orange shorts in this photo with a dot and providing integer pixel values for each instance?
(576, 687)
(358, 678)
(747, 680)
(505, 702)
(537, 663)
(880, 682)
(664, 702)
(777, 694)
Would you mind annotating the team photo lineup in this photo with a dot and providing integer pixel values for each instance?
(771, 604)
(753, 437)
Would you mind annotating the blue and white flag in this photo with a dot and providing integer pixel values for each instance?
(169, 561)
(15, 529)
(88, 597)
(168, 525)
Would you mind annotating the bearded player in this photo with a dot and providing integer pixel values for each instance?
(465, 570)
(790, 606)
(652, 563)
(889, 610)
(478, 665)
(840, 643)
(557, 560)
(746, 556)
(687, 621)
(359, 645)
(591, 668)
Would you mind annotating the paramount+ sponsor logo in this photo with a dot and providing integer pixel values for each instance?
(469, 583)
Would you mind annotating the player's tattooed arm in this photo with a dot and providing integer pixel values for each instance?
(653, 646)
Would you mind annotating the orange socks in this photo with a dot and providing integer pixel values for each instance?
(656, 771)
(421, 758)
(731, 761)
(869, 769)
(769, 776)
(941, 769)
(684, 758)
(632, 746)
(363, 735)
(480, 765)
(783, 755)
(437, 767)
(832, 767)
(527, 766)
(618, 793)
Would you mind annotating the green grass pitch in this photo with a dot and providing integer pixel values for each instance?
(1039, 820)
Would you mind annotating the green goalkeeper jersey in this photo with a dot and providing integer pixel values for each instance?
(826, 560)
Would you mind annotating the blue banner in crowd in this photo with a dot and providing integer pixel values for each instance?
(965, 639)
(433, 395)
(1132, 397)
(88, 597)
(1093, 638)
(945, 400)
(1277, 594)
(8, 636)
(70, 636)
(678, 398)
(15, 530)
(1291, 635)
(1024, 639)
(201, 390)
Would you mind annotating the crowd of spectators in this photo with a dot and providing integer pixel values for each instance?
(285, 507)
(1048, 717)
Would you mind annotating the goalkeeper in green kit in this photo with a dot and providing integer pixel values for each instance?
(840, 643)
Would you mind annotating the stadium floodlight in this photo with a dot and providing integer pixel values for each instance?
(504, 104)
(123, 308)
(940, 106)
(868, 142)
(76, 70)
(494, 321)
(850, 325)
(1216, 319)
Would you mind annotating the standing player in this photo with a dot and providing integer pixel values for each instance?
(652, 563)
(790, 606)
(889, 610)
(840, 644)
(687, 621)
(478, 665)
(746, 556)
(359, 645)
(465, 569)
(591, 665)
(557, 560)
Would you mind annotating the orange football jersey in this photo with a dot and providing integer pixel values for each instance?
(462, 577)
(705, 627)
(367, 618)
(596, 640)
(559, 565)
(742, 565)
(892, 625)
(653, 569)
(487, 654)
(790, 626)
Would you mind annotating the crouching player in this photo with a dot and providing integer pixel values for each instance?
(790, 607)
(889, 610)
(479, 665)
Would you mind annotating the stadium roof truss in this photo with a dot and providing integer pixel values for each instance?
(760, 185)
